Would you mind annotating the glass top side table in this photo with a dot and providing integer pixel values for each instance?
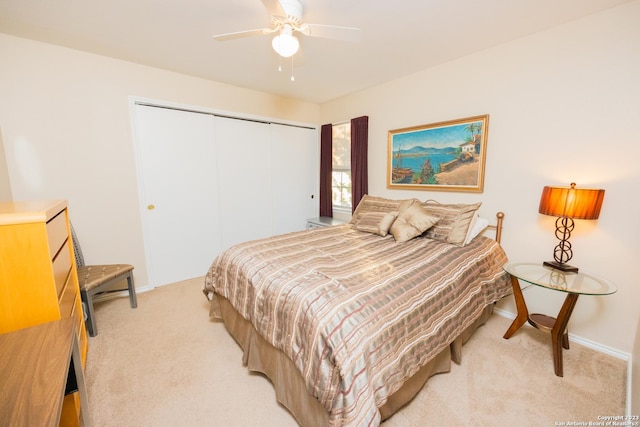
(573, 284)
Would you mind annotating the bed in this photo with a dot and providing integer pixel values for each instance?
(348, 322)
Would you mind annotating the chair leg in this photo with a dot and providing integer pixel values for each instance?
(90, 322)
(132, 291)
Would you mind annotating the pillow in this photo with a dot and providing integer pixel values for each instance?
(380, 204)
(376, 222)
(454, 221)
(477, 226)
(474, 220)
(411, 223)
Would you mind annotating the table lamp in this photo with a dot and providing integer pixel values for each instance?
(568, 203)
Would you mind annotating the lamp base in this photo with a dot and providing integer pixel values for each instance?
(560, 266)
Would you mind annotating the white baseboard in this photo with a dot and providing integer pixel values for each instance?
(579, 340)
(594, 346)
(120, 294)
(142, 289)
(629, 386)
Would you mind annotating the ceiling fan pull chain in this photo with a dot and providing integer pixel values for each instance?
(293, 79)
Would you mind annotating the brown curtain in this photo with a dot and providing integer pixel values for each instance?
(359, 170)
(326, 166)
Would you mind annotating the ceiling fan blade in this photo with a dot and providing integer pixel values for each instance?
(274, 7)
(240, 34)
(332, 32)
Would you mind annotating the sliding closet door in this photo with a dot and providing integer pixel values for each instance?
(294, 176)
(177, 161)
(244, 177)
(208, 182)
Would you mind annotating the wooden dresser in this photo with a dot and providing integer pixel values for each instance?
(38, 276)
(35, 367)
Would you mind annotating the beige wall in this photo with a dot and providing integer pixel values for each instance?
(5, 182)
(67, 134)
(564, 106)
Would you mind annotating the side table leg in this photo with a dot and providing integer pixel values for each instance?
(559, 336)
(523, 313)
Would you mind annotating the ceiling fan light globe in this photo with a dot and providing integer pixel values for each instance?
(285, 45)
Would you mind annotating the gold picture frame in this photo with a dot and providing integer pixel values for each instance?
(443, 156)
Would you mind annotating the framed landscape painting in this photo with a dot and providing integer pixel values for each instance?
(444, 156)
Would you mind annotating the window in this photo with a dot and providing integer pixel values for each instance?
(341, 167)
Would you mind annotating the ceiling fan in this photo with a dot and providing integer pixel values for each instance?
(286, 18)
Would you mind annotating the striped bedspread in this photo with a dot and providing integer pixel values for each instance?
(357, 313)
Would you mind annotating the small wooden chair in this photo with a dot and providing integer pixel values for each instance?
(96, 279)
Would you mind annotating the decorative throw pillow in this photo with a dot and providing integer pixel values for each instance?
(454, 221)
(380, 204)
(411, 223)
(376, 222)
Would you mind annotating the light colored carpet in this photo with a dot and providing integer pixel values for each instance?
(166, 364)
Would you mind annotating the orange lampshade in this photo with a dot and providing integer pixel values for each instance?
(571, 202)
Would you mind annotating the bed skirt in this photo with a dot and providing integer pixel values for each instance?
(260, 356)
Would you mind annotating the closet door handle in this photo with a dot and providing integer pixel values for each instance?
(150, 207)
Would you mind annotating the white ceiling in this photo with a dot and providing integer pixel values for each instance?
(398, 38)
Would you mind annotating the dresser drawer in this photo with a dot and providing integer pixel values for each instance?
(61, 268)
(57, 232)
(68, 299)
(81, 330)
